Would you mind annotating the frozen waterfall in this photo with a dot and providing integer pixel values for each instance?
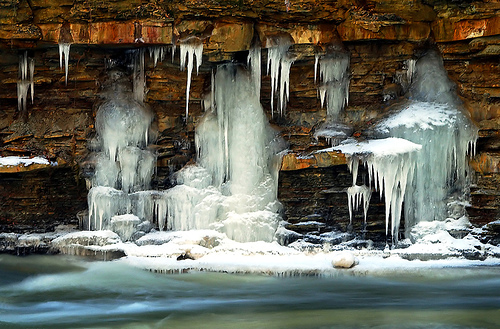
(421, 158)
(124, 164)
(433, 118)
(233, 187)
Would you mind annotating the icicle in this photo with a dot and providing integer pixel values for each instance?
(278, 65)
(355, 194)
(190, 50)
(316, 59)
(64, 52)
(334, 82)
(139, 75)
(254, 61)
(391, 162)
(25, 81)
(410, 69)
(32, 81)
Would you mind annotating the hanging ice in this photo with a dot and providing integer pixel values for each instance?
(124, 164)
(356, 195)
(25, 81)
(334, 82)
(278, 65)
(405, 78)
(254, 61)
(410, 69)
(64, 52)
(233, 187)
(139, 75)
(435, 120)
(390, 163)
(157, 53)
(190, 49)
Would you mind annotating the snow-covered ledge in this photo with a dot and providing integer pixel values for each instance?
(13, 164)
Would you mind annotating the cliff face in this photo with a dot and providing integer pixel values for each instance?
(379, 35)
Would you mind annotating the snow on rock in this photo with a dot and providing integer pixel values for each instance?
(344, 259)
(333, 132)
(88, 238)
(25, 161)
(376, 147)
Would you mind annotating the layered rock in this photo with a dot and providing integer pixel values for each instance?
(379, 35)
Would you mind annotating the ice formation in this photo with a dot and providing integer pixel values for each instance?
(64, 52)
(25, 81)
(434, 119)
(356, 195)
(233, 187)
(124, 164)
(254, 61)
(410, 69)
(278, 65)
(139, 75)
(334, 81)
(190, 49)
(333, 132)
(390, 164)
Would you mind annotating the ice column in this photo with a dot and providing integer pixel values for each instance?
(25, 81)
(435, 120)
(334, 82)
(64, 53)
(124, 164)
(278, 65)
(233, 187)
(189, 50)
(139, 75)
(254, 61)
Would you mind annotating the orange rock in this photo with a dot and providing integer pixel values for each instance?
(292, 161)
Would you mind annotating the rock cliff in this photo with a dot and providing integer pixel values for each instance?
(379, 35)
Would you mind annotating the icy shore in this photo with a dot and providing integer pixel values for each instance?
(208, 250)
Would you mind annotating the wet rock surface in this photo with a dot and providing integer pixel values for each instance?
(379, 35)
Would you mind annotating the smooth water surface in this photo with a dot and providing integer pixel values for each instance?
(62, 292)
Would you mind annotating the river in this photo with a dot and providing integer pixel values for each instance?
(65, 292)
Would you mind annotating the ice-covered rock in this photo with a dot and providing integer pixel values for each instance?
(344, 259)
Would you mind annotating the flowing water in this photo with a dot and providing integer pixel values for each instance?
(61, 292)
